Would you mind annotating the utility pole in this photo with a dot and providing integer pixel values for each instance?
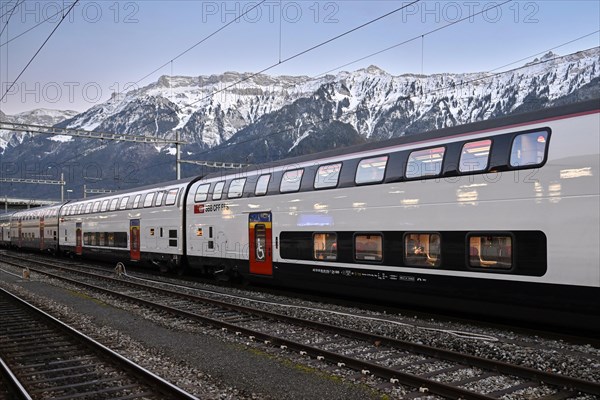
(177, 155)
(62, 187)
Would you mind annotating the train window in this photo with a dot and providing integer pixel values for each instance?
(111, 239)
(325, 246)
(490, 251)
(202, 193)
(88, 208)
(262, 184)
(171, 197)
(80, 209)
(426, 162)
(529, 149)
(159, 198)
(120, 239)
(96, 206)
(327, 176)
(123, 203)
(368, 247)
(149, 199)
(104, 206)
(475, 156)
(422, 249)
(136, 201)
(371, 170)
(218, 192)
(113, 204)
(236, 188)
(290, 181)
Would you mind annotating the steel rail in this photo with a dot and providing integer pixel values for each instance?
(13, 383)
(157, 383)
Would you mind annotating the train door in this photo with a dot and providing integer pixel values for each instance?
(19, 231)
(78, 239)
(41, 233)
(260, 240)
(134, 240)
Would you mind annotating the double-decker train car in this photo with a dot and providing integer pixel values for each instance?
(499, 217)
(144, 224)
(35, 229)
(5, 229)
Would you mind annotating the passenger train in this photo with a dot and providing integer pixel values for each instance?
(500, 217)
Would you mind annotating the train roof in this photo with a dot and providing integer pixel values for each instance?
(38, 210)
(500, 122)
(138, 189)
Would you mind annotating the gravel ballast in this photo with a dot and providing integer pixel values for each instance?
(234, 368)
(204, 364)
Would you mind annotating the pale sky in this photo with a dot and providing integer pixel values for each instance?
(104, 45)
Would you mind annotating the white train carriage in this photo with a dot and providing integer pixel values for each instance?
(139, 225)
(502, 217)
(35, 229)
(5, 229)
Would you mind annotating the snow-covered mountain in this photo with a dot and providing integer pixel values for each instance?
(245, 117)
(39, 116)
(207, 110)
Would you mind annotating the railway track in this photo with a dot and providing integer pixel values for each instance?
(44, 358)
(427, 370)
(10, 387)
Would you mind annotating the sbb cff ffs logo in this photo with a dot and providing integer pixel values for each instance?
(202, 208)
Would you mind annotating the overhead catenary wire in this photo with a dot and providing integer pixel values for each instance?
(38, 51)
(11, 11)
(35, 26)
(10, 15)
